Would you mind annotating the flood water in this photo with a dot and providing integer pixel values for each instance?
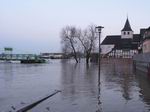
(120, 89)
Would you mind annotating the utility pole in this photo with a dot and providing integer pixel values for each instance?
(98, 30)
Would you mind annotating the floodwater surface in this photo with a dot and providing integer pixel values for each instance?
(120, 89)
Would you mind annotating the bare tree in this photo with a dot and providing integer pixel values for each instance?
(69, 41)
(88, 40)
(76, 40)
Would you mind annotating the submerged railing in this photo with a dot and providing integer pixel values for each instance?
(34, 104)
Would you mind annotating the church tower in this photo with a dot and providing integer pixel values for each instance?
(127, 32)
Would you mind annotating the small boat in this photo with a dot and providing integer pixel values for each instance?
(30, 61)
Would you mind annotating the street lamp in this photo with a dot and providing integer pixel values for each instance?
(98, 30)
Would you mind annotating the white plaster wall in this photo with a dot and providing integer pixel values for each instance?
(106, 48)
(127, 35)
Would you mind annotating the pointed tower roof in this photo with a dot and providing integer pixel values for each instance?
(127, 26)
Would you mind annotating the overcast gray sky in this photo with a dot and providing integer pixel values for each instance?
(33, 26)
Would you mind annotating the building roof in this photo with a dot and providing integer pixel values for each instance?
(127, 26)
(136, 38)
(111, 39)
(120, 43)
(148, 29)
(142, 31)
(146, 35)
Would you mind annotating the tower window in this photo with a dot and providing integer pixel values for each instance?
(124, 33)
(128, 33)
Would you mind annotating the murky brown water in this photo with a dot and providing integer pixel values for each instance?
(120, 89)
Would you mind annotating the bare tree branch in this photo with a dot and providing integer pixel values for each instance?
(69, 40)
(88, 40)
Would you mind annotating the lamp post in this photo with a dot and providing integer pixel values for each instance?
(98, 30)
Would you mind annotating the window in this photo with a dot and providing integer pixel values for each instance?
(128, 33)
(124, 33)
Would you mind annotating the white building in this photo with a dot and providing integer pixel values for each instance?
(121, 46)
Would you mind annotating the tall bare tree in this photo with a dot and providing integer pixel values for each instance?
(69, 41)
(88, 40)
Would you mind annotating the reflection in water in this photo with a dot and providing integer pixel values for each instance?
(7, 79)
(120, 76)
(119, 91)
(99, 88)
(79, 83)
(8, 71)
(99, 98)
(144, 85)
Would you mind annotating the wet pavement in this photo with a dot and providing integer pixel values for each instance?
(121, 90)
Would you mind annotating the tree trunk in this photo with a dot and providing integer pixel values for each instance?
(87, 58)
(74, 51)
(75, 57)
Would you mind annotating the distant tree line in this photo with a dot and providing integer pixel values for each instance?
(76, 41)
